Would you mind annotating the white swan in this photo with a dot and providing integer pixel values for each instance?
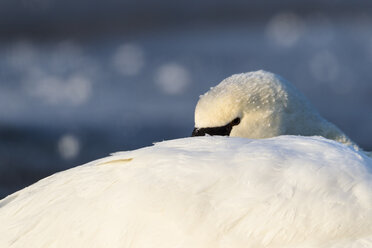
(287, 191)
(266, 105)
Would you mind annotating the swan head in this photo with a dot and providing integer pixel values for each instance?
(259, 105)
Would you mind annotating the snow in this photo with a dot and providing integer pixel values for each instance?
(287, 191)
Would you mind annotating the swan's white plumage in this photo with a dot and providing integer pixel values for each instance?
(268, 106)
(205, 192)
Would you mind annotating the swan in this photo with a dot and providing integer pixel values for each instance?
(286, 188)
(264, 105)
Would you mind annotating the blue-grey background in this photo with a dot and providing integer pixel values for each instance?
(82, 78)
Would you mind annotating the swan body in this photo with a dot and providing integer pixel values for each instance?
(202, 192)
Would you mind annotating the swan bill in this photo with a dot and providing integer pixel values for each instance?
(221, 131)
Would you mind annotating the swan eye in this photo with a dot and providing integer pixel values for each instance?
(236, 121)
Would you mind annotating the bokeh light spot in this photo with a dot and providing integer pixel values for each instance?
(128, 59)
(284, 29)
(68, 146)
(172, 78)
(59, 75)
(74, 90)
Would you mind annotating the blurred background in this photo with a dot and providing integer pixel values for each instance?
(82, 78)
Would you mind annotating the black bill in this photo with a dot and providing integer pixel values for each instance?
(222, 131)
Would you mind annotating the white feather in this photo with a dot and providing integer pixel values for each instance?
(205, 192)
